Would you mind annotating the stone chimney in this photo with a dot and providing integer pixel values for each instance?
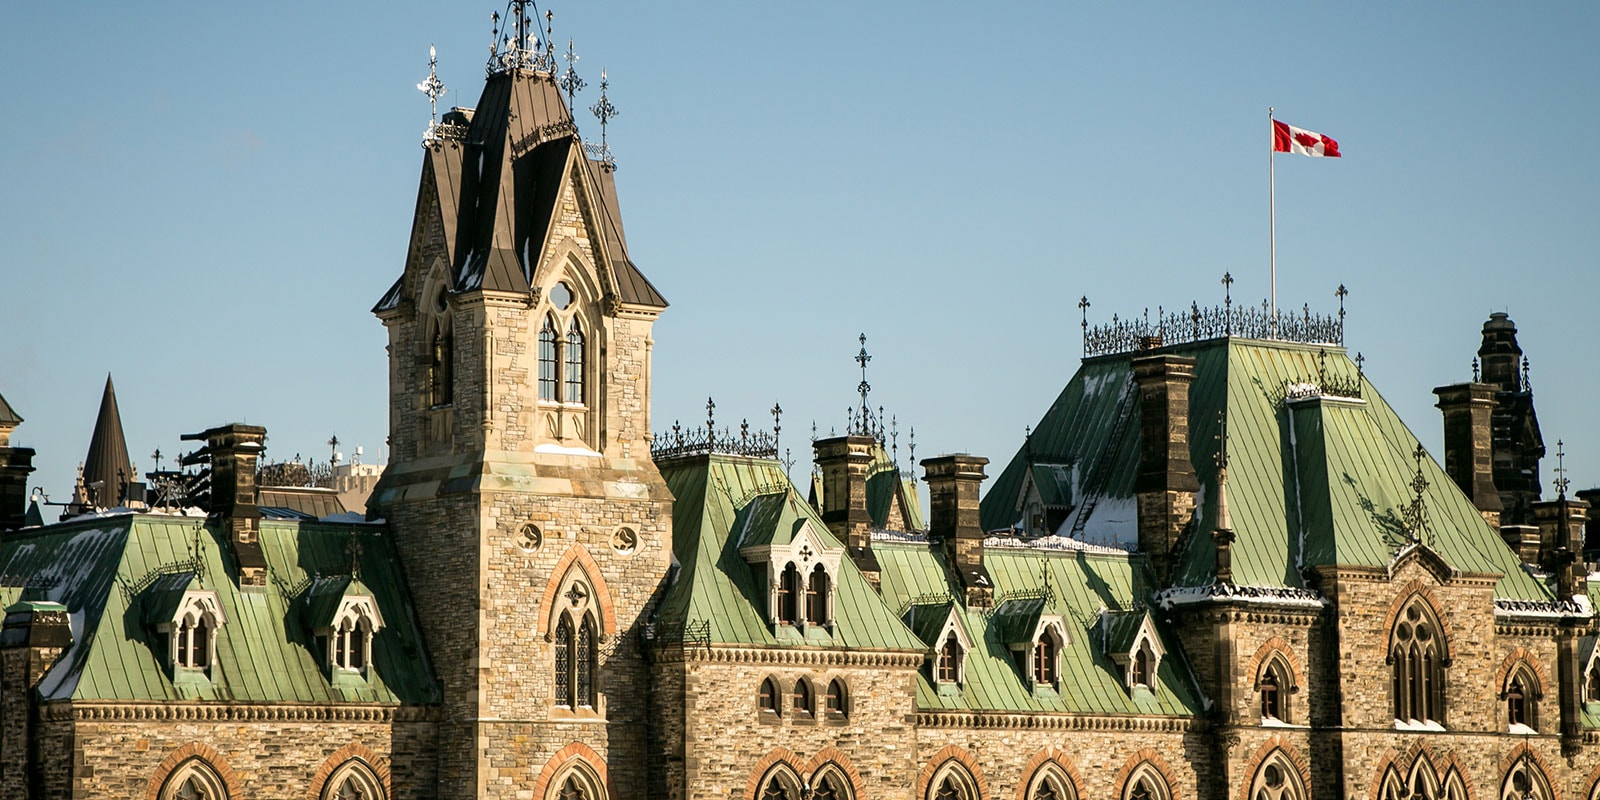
(16, 464)
(233, 452)
(1469, 446)
(35, 634)
(843, 461)
(1166, 484)
(1561, 523)
(953, 484)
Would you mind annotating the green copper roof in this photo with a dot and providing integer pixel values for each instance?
(718, 498)
(115, 573)
(1081, 584)
(1316, 481)
(1015, 621)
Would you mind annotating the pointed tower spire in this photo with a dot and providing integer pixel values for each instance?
(106, 468)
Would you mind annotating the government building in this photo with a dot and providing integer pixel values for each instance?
(1219, 566)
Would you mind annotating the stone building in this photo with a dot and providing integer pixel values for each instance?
(1218, 567)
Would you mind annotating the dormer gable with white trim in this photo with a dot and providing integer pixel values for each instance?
(802, 576)
(1131, 640)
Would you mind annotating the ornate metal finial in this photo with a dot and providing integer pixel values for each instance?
(1341, 293)
(570, 82)
(1222, 439)
(1475, 374)
(550, 40)
(744, 430)
(1083, 310)
(911, 446)
(604, 111)
(777, 422)
(711, 417)
(1322, 366)
(517, 46)
(894, 440)
(1360, 360)
(434, 89)
(1416, 516)
(353, 550)
(1561, 484)
(813, 431)
(1227, 303)
(1527, 385)
(864, 388)
(156, 457)
(333, 449)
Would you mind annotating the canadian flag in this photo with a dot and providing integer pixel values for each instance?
(1287, 138)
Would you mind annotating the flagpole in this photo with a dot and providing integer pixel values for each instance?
(1272, 224)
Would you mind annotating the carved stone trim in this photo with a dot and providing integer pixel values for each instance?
(797, 657)
(234, 712)
(1059, 722)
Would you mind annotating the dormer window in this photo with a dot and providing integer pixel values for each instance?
(352, 634)
(802, 573)
(1143, 667)
(187, 618)
(343, 614)
(1045, 654)
(1131, 640)
(950, 656)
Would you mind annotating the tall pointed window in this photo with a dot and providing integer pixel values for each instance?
(1521, 694)
(1416, 655)
(547, 359)
(789, 591)
(949, 666)
(572, 368)
(564, 648)
(441, 367)
(1141, 666)
(1270, 707)
(577, 662)
(817, 597)
(588, 656)
(1044, 660)
(802, 699)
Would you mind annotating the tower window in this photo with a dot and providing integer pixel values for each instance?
(1271, 707)
(837, 700)
(768, 698)
(547, 359)
(194, 642)
(572, 372)
(1416, 655)
(1141, 666)
(1044, 660)
(441, 366)
(789, 591)
(1516, 703)
(577, 662)
(802, 699)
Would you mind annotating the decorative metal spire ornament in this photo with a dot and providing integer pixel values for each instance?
(434, 89)
(1227, 303)
(864, 388)
(517, 46)
(1415, 517)
(1341, 293)
(569, 81)
(777, 423)
(1083, 310)
(1561, 482)
(333, 449)
(604, 111)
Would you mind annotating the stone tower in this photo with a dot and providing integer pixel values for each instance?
(533, 525)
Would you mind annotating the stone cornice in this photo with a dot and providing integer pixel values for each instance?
(793, 656)
(81, 711)
(1058, 722)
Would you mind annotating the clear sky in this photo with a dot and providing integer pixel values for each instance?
(205, 199)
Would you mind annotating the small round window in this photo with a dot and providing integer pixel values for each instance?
(561, 296)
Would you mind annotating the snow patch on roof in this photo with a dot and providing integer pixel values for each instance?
(1052, 542)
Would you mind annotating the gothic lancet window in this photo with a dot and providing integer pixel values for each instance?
(1521, 694)
(1416, 655)
(588, 653)
(789, 592)
(817, 597)
(564, 661)
(572, 367)
(802, 699)
(194, 780)
(1141, 666)
(769, 697)
(948, 669)
(577, 662)
(1044, 660)
(194, 642)
(1271, 707)
(547, 359)
(838, 700)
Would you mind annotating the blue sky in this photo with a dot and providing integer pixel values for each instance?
(206, 199)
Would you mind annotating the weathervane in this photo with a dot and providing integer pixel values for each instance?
(604, 111)
(353, 550)
(569, 81)
(434, 89)
(911, 446)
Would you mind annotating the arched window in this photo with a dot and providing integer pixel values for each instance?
(949, 667)
(564, 661)
(576, 782)
(1518, 704)
(789, 595)
(588, 657)
(441, 365)
(1050, 782)
(952, 781)
(1525, 781)
(817, 597)
(193, 780)
(781, 783)
(1416, 654)
(1455, 788)
(769, 696)
(1141, 666)
(1046, 652)
(1423, 782)
(830, 783)
(1277, 779)
(194, 641)
(572, 371)
(802, 699)
(1146, 783)
(1273, 687)
(353, 780)
(547, 359)
(1591, 683)
(838, 700)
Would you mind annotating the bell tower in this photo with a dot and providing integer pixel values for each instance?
(532, 523)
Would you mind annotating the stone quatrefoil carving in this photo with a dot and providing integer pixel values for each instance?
(529, 538)
(624, 541)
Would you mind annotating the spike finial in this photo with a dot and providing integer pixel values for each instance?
(1561, 484)
(864, 388)
(605, 111)
(570, 81)
(434, 89)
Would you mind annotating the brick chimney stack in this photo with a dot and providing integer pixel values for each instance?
(16, 464)
(233, 452)
(1166, 484)
(843, 461)
(953, 484)
(1469, 445)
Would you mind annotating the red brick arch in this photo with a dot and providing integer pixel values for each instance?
(1521, 655)
(835, 756)
(1275, 744)
(577, 751)
(1592, 783)
(1417, 588)
(577, 556)
(779, 755)
(211, 757)
(1443, 764)
(356, 751)
(1516, 754)
(1276, 646)
(1159, 764)
(944, 756)
(1050, 755)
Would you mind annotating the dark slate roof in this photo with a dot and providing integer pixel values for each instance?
(1311, 481)
(299, 502)
(107, 461)
(115, 573)
(7, 415)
